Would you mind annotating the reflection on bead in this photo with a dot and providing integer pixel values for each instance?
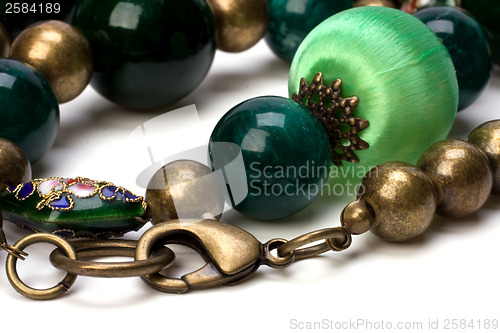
(402, 198)
(4, 42)
(412, 6)
(461, 174)
(184, 189)
(240, 24)
(147, 54)
(15, 167)
(357, 218)
(30, 113)
(487, 138)
(382, 3)
(274, 154)
(290, 21)
(469, 49)
(60, 53)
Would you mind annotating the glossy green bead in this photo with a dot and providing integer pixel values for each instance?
(147, 54)
(486, 12)
(469, 49)
(73, 207)
(29, 112)
(400, 71)
(290, 21)
(274, 154)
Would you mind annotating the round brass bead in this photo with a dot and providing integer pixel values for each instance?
(402, 199)
(60, 53)
(183, 189)
(487, 138)
(4, 42)
(15, 167)
(357, 218)
(240, 24)
(461, 174)
(381, 3)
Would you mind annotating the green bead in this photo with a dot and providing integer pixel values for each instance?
(73, 207)
(147, 54)
(487, 12)
(495, 47)
(290, 21)
(469, 49)
(284, 161)
(400, 71)
(29, 112)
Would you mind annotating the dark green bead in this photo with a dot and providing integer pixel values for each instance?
(495, 47)
(29, 110)
(31, 11)
(147, 54)
(468, 45)
(284, 161)
(290, 21)
(73, 207)
(486, 12)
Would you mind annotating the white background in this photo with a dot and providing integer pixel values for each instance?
(450, 273)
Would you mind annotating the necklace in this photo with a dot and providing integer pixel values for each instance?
(315, 210)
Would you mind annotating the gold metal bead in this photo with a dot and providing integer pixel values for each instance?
(381, 3)
(4, 42)
(240, 24)
(461, 174)
(60, 53)
(402, 200)
(15, 167)
(487, 138)
(357, 218)
(184, 189)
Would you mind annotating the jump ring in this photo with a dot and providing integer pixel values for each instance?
(40, 294)
(90, 249)
(273, 261)
(293, 245)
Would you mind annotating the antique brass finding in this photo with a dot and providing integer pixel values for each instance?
(40, 294)
(231, 254)
(336, 239)
(4, 245)
(90, 249)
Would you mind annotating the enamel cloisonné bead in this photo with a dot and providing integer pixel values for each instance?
(73, 207)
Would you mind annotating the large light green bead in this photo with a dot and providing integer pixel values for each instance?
(399, 69)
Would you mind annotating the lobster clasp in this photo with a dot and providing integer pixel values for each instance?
(230, 253)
